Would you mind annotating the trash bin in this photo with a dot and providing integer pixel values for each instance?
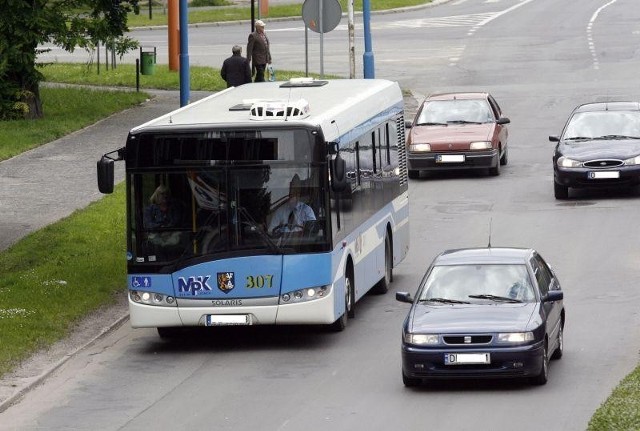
(147, 62)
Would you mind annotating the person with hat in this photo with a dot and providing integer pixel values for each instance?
(235, 69)
(258, 51)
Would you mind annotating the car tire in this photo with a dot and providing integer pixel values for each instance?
(495, 171)
(541, 379)
(410, 382)
(382, 286)
(413, 174)
(557, 354)
(560, 191)
(505, 157)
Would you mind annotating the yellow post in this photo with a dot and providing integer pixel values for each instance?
(174, 34)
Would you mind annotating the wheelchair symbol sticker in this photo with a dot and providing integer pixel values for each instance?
(138, 282)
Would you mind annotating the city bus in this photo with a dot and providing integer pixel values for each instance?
(206, 182)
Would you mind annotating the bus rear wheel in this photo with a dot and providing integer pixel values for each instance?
(383, 285)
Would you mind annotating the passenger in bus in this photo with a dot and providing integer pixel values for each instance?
(163, 212)
(292, 216)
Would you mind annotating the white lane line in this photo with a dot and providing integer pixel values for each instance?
(590, 42)
(497, 15)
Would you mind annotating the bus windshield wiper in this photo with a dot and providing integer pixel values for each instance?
(255, 227)
(495, 298)
(444, 301)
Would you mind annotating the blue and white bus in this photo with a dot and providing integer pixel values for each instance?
(204, 183)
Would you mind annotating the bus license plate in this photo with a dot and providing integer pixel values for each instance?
(604, 175)
(466, 358)
(227, 319)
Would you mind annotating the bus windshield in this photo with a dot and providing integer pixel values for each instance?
(181, 209)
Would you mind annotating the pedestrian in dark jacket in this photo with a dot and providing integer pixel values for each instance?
(235, 69)
(258, 51)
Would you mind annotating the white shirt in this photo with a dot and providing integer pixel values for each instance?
(291, 219)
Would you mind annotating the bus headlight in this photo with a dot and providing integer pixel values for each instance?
(304, 295)
(151, 298)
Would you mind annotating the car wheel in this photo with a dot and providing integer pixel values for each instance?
(505, 157)
(413, 174)
(557, 354)
(560, 191)
(541, 379)
(349, 310)
(410, 382)
(495, 171)
(383, 285)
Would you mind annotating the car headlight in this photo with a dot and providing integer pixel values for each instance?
(632, 161)
(480, 145)
(420, 147)
(515, 337)
(420, 339)
(565, 162)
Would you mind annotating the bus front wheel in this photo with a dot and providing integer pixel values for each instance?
(349, 304)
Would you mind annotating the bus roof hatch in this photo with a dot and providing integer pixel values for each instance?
(279, 109)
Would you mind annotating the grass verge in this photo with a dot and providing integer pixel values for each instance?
(66, 110)
(621, 411)
(59, 274)
(230, 13)
(201, 78)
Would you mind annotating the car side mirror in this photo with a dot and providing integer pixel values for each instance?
(105, 175)
(554, 295)
(404, 297)
(554, 138)
(503, 120)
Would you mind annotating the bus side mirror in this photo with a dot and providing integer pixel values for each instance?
(338, 174)
(105, 175)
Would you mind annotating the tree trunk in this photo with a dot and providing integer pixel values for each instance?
(32, 98)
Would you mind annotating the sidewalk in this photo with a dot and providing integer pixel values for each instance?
(48, 183)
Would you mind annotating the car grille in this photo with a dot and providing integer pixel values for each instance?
(467, 339)
(603, 163)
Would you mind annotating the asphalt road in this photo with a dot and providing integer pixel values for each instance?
(539, 58)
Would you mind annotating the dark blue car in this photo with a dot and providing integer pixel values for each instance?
(483, 313)
(599, 147)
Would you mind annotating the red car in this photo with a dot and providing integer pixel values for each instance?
(457, 131)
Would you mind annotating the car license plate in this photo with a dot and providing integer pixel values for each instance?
(227, 319)
(450, 158)
(466, 358)
(604, 175)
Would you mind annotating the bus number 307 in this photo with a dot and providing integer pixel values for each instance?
(259, 281)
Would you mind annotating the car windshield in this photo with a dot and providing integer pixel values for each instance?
(455, 111)
(478, 283)
(603, 124)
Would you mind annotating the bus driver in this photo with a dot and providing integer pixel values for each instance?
(291, 216)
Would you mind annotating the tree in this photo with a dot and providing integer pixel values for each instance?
(70, 24)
